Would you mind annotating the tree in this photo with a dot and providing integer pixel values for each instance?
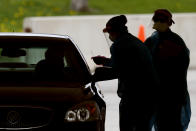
(79, 5)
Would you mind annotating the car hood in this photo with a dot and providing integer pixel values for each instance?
(26, 94)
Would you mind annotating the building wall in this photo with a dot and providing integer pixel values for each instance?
(86, 31)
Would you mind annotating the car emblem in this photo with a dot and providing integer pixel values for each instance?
(13, 117)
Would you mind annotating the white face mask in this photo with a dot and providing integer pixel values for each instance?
(161, 27)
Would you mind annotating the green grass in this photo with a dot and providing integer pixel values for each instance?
(142, 6)
(12, 12)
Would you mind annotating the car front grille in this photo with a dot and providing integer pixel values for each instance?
(24, 117)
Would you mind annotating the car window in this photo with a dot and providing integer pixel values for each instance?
(55, 62)
(32, 57)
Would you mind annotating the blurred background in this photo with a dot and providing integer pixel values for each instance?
(83, 20)
(12, 12)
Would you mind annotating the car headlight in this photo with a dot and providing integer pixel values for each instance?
(86, 111)
(70, 116)
(83, 114)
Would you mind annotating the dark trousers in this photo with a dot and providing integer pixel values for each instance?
(172, 116)
(169, 118)
(134, 116)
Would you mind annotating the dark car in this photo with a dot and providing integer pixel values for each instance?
(46, 85)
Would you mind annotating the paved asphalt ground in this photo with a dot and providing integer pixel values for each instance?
(112, 100)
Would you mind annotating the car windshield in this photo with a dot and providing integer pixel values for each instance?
(45, 62)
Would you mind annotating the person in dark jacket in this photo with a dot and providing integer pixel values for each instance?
(171, 60)
(131, 63)
(52, 67)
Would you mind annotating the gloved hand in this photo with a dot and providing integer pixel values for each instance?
(99, 60)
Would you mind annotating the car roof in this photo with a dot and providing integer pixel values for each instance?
(32, 35)
(13, 37)
(33, 38)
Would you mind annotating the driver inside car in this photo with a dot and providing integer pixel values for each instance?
(52, 67)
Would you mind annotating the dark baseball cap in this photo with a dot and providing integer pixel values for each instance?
(116, 23)
(162, 15)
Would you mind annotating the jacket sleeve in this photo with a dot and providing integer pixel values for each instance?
(109, 71)
(114, 60)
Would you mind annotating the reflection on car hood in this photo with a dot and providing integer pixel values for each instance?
(70, 93)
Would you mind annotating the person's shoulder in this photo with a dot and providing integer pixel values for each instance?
(137, 43)
(175, 35)
(133, 39)
(41, 62)
(180, 42)
(154, 35)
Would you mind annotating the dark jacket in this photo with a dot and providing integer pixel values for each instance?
(132, 62)
(171, 60)
(50, 69)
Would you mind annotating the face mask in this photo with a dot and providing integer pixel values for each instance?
(161, 27)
